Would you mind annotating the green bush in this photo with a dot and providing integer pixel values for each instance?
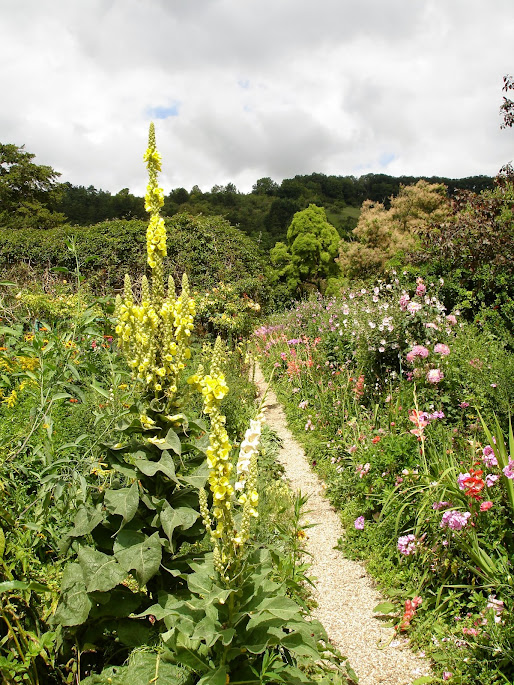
(208, 249)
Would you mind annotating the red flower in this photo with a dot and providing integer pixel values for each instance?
(474, 484)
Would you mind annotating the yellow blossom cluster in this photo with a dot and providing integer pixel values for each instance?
(154, 332)
(228, 537)
(154, 199)
(153, 335)
(28, 363)
(214, 388)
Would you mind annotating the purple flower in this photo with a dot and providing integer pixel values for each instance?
(488, 456)
(456, 520)
(436, 415)
(407, 544)
(359, 523)
(509, 469)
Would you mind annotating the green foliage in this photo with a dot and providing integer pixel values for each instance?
(127, 539)
(85, 206)
(473, 250)
(249, 631)
(27, 191)
(263, 214)
(207, 248)
(308, 258)
(144, 666)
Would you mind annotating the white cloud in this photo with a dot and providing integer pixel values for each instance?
(256, 88)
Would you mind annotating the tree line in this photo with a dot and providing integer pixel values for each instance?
(32, 197)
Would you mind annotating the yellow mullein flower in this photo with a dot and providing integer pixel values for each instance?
(154, 333)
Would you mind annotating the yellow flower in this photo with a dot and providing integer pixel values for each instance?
(10, 400)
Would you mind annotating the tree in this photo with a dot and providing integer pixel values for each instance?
(312, 245)
(265, 186)
(383, 233)
(28, 191)
(507, 108)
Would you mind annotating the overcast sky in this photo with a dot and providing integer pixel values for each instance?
(241, 89)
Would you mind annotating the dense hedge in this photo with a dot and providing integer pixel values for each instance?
(208, 248)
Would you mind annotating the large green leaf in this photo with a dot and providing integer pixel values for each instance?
(85, 521)
(118, 603)
(282, 608)
(133, 633)
(75, 604)
(145, 667)
(102, 571)
(181, 517)
(217, 677)
(123, 502)
(141, 555)
(199, 476)
(171, 442)
(206, 630)
(164, 465)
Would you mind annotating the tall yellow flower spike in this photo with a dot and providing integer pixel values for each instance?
(227, 537)
(154, 334)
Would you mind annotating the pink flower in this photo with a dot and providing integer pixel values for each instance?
(451, 319)
(362, 470)
(303, 404)
(421, 289)
(447, 675)
(404, 299)
(464, 405)
(485, 506)
(491, 479)
(470, 631)
(414, 307)
(417, 351)
(435, 376)
(456, 520)
(440, 505)
(461, 480)
(488, 456)
(441, 349)
(508, 470)
(407, 544)
(359, 523)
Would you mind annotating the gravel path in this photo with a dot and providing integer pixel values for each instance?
(345, 594)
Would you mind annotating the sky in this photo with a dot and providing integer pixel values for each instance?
(244, 89)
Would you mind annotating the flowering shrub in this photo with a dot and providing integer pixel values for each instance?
(381, 385)
(225, 311)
